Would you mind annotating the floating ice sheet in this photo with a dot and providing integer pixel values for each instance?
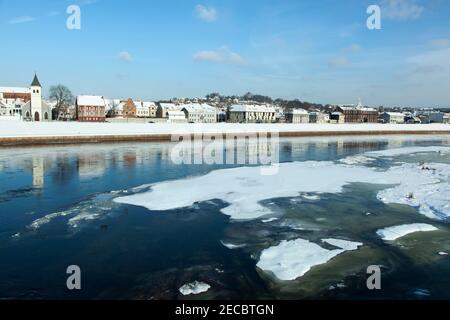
(396, 232)
(195, 287)
(292, 259)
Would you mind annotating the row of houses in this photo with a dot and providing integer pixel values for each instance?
(99, 109)
(350, 115)
(27, 104)
(431, 116)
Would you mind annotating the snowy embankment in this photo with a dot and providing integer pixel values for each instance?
(19, 129)
(396, 232)
(292, 259)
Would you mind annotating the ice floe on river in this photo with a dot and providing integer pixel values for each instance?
(292, 259)
(396, 232)
(371, 156)
(243, 189)
(195, 287)
(84, 211)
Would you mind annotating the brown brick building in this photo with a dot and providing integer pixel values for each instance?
(359, 114)
(90, 109)
(129, 109)
(15, 93)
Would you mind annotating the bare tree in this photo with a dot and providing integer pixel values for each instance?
(63, 97)
(113, 110)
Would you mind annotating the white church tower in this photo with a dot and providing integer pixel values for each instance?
(36, 99)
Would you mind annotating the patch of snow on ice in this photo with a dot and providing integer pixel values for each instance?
(393, 233)
(428, 190)
(356, 160)
(195, 287)
(292, 259)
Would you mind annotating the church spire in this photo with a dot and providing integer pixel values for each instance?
(35, 82)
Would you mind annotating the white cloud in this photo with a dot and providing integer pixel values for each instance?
(339, 62)
(440, 43)
(223, 55)
(401, 10)
(208, 14)
(125, 56)
(22, 19)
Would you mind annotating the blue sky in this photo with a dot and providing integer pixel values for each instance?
(313, 50)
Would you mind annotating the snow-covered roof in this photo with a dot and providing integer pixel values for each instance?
(94, 101)
(395, 114)
(23, 90)
(148, 104)
(251, 108)
(171, 106)
(138, 104)
(197, 107)
(297, 111)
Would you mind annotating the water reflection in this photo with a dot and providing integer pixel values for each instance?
(89, 162)
(91, 165)
(38, 172)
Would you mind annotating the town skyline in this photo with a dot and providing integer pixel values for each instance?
(289, 50)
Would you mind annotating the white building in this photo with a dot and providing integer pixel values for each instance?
(152, 108)
(200, 113)
(141, 110)
(25, 103)
(297, 116)
(251, 113)
(392, 117)
(319, 117)
(163, 109)
(175, 116)
(11, 108)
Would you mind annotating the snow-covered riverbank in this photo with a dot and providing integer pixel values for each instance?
(18, 129)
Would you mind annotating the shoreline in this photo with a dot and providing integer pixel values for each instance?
(8, 142)
(14, 133)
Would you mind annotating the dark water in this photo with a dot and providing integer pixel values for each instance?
(128, 252)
